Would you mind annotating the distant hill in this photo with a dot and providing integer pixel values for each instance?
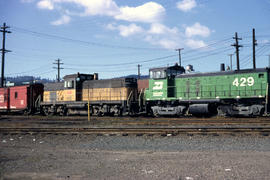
(26, 79)
(136, 76)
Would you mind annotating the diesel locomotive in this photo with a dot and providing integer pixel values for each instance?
(77, 91)
(172, 91)
(169, 90)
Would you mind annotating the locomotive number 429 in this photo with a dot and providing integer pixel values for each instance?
(243, 81)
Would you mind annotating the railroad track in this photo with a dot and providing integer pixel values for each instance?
(139, 131)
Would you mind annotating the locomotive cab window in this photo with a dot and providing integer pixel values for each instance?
(158, 74)
(69, 84)
(261, 75)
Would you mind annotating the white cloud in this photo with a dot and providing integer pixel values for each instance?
(45, 4)
(165, 42)
(111, 26)
(157, 28)
(63, 20)
(168, 44)
(157, 34)
(193, 44)
(126, 31)
(186, 5)
(149, 12)
(96, 7)
(197, 30)
(129, 30)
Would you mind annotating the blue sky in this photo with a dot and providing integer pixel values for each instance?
(111, 37)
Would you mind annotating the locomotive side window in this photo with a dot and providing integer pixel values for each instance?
(162, 74)
(261, 75)
(151, 74)
(69, 84)
(16, 95)
(157, 75)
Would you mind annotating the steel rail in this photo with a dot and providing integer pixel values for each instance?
(123, 131)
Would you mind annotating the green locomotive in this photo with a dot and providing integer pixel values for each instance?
(172, 91)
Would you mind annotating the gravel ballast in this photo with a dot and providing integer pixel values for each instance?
(134, 157)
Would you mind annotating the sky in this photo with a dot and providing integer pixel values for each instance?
(111, 37)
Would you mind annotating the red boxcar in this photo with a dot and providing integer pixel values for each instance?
(4, 99)
(23, 98)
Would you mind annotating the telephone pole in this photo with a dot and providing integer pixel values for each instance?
(236, 45)
(230, 60)
(4, 31)
(269, 61)
(179, 50)
(58, 68)
(254, 43)
(139, 72)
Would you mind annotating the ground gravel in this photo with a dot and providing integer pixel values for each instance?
(179, 157)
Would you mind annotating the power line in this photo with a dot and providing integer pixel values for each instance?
(32, 70)
(260, 51)
(22, 30)
(129, 63)
(230, 60)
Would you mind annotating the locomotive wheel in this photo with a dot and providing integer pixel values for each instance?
(155, 114)
(62, 111)
(45, 111)
(100, 114)
(119, 113)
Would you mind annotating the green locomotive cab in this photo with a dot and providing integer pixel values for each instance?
(162, 81)
(162, 90)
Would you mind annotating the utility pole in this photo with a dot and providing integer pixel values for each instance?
(179, 50)
(254, 43)
(139, 72)
(236, 45)
(4, 31)
(58, 68)
(230, 60)
(269, 61)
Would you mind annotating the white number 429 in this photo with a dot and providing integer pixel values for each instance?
(243, 81)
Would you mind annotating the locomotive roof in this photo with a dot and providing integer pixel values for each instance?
(53, 86)
(220, 73)
(169, 67)
(110, 83)
(76, 75)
